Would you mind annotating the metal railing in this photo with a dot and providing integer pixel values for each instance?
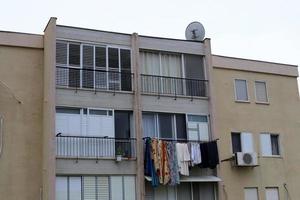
(94, 147)
(93, 79)
(173, 86)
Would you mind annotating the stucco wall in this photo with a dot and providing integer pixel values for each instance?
(280, 116)
(21, 79)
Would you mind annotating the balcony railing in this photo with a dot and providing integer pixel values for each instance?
(93, 79)
(94, 147)
(173, 86)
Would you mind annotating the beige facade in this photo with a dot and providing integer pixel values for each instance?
(21, 107)
(30, 94)
(280, 116)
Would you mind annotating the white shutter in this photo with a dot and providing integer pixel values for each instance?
(129, 188)
(89, 188)
(116, 187)
(100, 125)
(265, 144)
(247, 142)
(203, 131)
(68, 124)
(61, 185)
(75, 188)
(102, 188)
(272, 194)
(251, 194)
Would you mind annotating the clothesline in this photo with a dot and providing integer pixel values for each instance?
(165, 160)
(180, 140)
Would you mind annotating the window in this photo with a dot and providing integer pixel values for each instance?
(236, 142)
(251, 193)
(164, 70)
(242, 142)
(184, 191)
(164, 125)
(95, 187)
(272, 193)
(261, 92)
(269, 144)
(92, 66)
(241, 90)
(198, 127)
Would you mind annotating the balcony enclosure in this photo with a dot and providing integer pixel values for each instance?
(93, 133)
(172, 74)
(93, 67)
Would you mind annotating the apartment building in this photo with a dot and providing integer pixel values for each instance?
(78, 106)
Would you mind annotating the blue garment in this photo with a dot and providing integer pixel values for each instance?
(149, 169)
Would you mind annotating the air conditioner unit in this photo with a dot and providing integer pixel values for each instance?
(246, 159)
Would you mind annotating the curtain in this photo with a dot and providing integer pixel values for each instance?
(149, 127)
(150, 63)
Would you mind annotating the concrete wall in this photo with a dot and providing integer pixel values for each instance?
(21, 105)
(280, 116)
(49, 111)
(94, 167)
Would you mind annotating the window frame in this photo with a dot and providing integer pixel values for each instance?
(242, 141)
(257, 192)
(267, 94)
(208, 124)
(247, 91)
(279, 146)
(272, 187)
(94, 45)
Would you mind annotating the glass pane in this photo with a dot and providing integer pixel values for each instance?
(181, 126)
(122, 130)
(74, 55)
(194, 68)
(129, 188)
(116, 187)
(125, 59)
(150, 63)
(101, 57)
(149, 125)
(251, 194)
(75, 188)
(236, 142)
(274, 144)
(197, 118)
(126, 81)
(113, 58)
(102, 188)
(61, 192)
(165, 125)
(61, 53)
(206, 191)
(241, 90)
(68, 110)
(98, 112)
(261, 91)
(74, 78)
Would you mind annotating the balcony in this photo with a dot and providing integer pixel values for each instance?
(94, 147)
(93, 79)
(173, 86)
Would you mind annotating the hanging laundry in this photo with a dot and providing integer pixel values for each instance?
(209, 154)
(154, 152)
(195, 153)
(204, 155)
(149, 169)
(164, 171)
(213, 154)
(183, 158)
(173, 164)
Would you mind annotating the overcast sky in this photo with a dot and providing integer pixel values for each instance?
(257, 29)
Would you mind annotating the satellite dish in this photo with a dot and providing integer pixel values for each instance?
(195, 31)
